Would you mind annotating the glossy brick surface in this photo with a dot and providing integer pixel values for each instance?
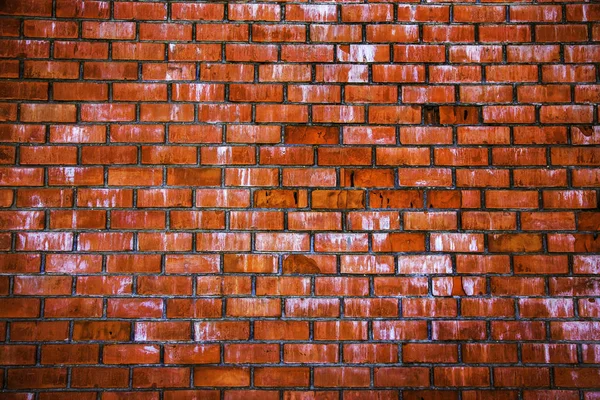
(296, 200)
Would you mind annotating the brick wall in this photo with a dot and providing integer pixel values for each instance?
(299, 200)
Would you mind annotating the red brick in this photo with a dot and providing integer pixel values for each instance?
(197, 92)
(76, 8)
(224, 113)
(281, 330)
(488, 307)
(278, 33)
(20, 263)
(458, 330)
(108, 30)
(282, 242)
(568, 73)
(248, 53)
(40, 331)
(135, 308)
(221, 376)
(169, 71)
(523, 376)
(129, 176)
(310, 353)
(556, 33)
(89, 377)
(110, 71)
(10, 68)
(486, 94)
(335, 33)
(255, 168)
(540, 135)
(504, 33)
(24, 90)
(342, 377)
(191, 354)
(534, 53)
(48, 113)
(448, 33)
(167, 32)
(166, 112)
(566, 114)
(194, 52)
(195, 134)
(359, 53)
(475, 54)
(227, 72)
(132, 11)
(342, 73)
(282, 113)
(249, 263)
(250, 177)
(223, 32)
(286, 376)
(82, 50)
(130, 354)
(419, 53)
(107, 112)
(28, 7)
(540, 177)
(367, 12)
(162, 331)
(42, 378)
(404, 376)
(311, 13)
(24, 48)
(197, 11)
(198, 308)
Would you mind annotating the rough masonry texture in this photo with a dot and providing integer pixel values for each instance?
(299, 200)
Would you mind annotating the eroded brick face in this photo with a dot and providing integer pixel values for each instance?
(299, 200)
